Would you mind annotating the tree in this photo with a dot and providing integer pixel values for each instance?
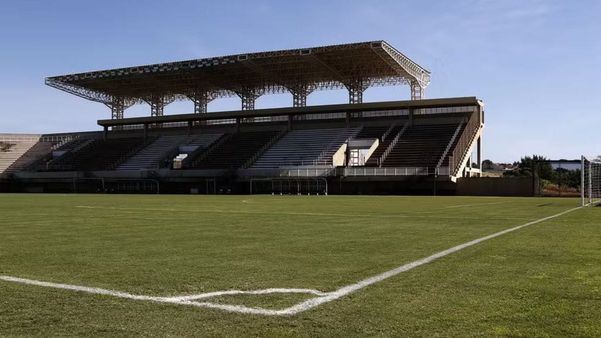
(569, 178)
(488, 165)
(529, 165)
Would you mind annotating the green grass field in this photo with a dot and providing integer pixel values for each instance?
(542, 280)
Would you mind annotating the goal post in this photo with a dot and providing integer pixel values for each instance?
(590, 187)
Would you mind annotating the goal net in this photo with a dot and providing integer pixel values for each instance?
(591, 182)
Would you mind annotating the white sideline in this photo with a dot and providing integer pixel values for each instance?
(321, 297)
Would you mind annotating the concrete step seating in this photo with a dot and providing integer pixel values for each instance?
(31, 156)
(98, 154)
(235, 151)
(421, 146)
(12, 148)
(307, 147)
(151, 156)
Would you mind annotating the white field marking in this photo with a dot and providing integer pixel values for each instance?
(341, 292)
(181, 300)
(321, 297)
(430, 214)
(473, 205)
(252, 292)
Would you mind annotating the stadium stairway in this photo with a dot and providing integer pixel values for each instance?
(421, 146)
(58, 150)
(151, 156)
(234, 150)
(37, 152)
(98, 154)
(191, 148)
(374, 159)
(11, 149)
(306, 147)
(372, 132)
(445, 160)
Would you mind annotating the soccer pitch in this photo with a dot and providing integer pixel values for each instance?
(123, 265)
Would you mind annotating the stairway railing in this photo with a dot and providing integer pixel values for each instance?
(392, 144)
(389, 130)
(465, 141)
(449, 145)
(200, 154)
(264, 148)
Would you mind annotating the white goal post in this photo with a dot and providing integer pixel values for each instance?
(591, 182)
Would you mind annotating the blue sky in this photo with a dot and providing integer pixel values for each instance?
(536, 64)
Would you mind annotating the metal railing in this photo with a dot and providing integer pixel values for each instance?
(130, 153)
(392, 144)
(384, 171)
(18, 138)
(442, 171)
(292, 172)
(264, 148)
(450, 144)
(388, 131)
(463, 144)
(51, 165)
(199, 154)
(335, 142)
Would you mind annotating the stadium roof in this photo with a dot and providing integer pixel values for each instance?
(355, 66)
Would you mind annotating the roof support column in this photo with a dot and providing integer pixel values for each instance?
(417, 91)
(249, 97)
(117, 111)
(248, 100)
(157, 105)
(118, 106)
(355, 90)
(201, 101)
(299, 94)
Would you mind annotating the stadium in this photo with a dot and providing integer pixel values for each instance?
(285, 237)
(347, 148)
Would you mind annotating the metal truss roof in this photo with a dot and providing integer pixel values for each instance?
(374, 63)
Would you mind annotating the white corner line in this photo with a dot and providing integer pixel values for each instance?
(319, 299)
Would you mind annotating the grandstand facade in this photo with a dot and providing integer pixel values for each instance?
(355, 147)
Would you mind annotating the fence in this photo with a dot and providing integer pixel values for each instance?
(384, 171)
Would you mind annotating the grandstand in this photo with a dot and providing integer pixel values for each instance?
(375, 147)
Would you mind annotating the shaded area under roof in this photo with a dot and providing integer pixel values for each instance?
(292, 111)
